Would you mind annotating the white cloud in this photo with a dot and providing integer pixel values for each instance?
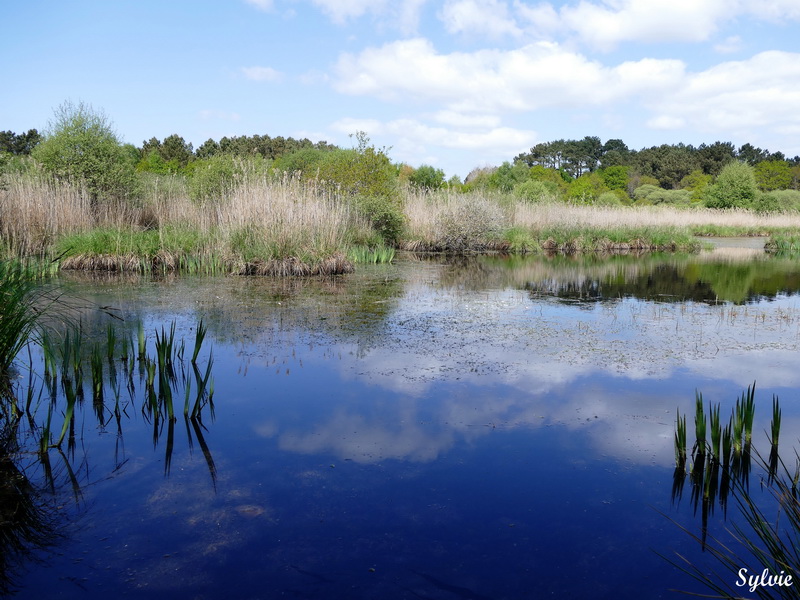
(504, 139)
(465, 120)
(606, 23)
(738, 96)
(486, 17)
(489, 81)
(262, 74)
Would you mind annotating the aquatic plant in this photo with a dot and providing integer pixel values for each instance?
(680, 441)
(767, 545)
(775, 424)
(699, 426)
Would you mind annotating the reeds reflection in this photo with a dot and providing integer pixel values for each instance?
(42, 419)
(724, 465)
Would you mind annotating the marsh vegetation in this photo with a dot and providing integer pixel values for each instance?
(285, 207)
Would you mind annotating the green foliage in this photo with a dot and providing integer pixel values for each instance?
(773, 175)
(537, 191)
(385, 214)
(215, 177)
(779, 201)
(586, 189)
(366, 175)
(427, 177)
(735, 187)
(303, 161)
(19, 144)
(650, 194)
(615, 178)
(608, 199)
(508, 175)
(81, 146)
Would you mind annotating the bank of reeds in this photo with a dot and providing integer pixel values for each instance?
(263, 225)
(449, 221)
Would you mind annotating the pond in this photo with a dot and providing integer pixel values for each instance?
(469, 428)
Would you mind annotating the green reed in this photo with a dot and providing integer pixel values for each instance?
(716, 431)
(680, 440)
(775, 424)
(699, 425)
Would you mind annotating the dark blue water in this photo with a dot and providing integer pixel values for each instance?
(422, 430)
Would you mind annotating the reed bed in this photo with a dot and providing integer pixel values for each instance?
(503, 223)
(263, 225)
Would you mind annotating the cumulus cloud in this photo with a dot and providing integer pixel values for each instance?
(485, 17)
(487, 81)
(499, 140)
(262, 74)
(738, 96)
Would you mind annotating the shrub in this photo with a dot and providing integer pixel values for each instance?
(586, 189)
(469, 224)
(643, 191)
(81, 146)
(536, 191)
(735, 187)
(384, 214)
(215, 177)
(778, 201)
(303, 161)
(427, 177)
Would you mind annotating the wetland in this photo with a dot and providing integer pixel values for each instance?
(444, 428)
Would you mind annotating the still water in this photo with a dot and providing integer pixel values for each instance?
(442, 429)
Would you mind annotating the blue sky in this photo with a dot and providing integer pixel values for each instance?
(453, 83)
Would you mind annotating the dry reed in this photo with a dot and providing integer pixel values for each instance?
(543, 216)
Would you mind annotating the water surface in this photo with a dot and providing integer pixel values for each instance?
(468, 428)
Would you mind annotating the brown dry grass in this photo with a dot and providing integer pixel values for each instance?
(543, 216)
(266, 226)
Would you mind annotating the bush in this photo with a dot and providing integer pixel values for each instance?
(469, 224)
(81, 146)
(303, 161)
(608, 199)
(215, 177)
(536, 191)
(778, 201)
(427, 177)
(384, 214)
(642, 192)
(586, 189)
(735, 187)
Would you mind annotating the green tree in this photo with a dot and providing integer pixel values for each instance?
(508, 175)
(426, 177)
(773, 175)
(366, 176)
(615, 178)
(713, 157)
(735, 187)
(586, 189)
(80, 145)
(24, 143)
(697, 183)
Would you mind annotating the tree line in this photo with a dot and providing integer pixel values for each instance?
(669, 164)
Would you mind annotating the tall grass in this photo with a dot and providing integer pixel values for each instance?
(261, 225)
(506, 223)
